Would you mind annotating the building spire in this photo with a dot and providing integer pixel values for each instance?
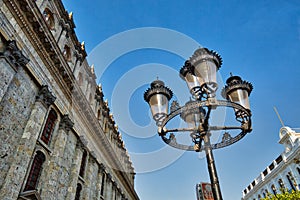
(70, 15)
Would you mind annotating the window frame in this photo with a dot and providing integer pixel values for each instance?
(47, 132)
(35, 171)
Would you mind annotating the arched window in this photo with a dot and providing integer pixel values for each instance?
(49, 18)
(82, 166)
(290, 177)
(67, 53)
(274, 189)
(267, 192)
(281, 184)
(35, 171)
(78, 190)
(259, 197)
(49, 127)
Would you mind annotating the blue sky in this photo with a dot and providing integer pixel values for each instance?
(258, 40)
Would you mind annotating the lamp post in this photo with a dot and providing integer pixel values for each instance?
(199, 72)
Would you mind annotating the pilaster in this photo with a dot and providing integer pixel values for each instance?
(108, 188)
(89, 180)
(56, 161)
(103, 180)
(99, 183)
(65, 169)
(75, 171)
(17, 171)
(7, 73)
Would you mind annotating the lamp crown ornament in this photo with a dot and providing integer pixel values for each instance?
(187, 68)
(157, 87)
(204, 54)
(234, 83)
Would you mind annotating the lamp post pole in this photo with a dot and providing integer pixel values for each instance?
(212, 169)
(216, 190)
(199, 72)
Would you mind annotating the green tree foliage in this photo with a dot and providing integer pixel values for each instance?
(294, 195)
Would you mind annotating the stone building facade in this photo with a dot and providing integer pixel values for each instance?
(283, 173)
(58, 139)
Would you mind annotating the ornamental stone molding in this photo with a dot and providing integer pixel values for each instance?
(109, 177)
(45, 96)
(11, 51)
(102, 167)
(66, 123)
(79, 145)
(83, 140)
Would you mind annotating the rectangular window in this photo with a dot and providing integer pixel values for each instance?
(49, 126)
(35, 171)
(83, 162)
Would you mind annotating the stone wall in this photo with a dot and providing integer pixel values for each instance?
(16, 103)
(42, 69)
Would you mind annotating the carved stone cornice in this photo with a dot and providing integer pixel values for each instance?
(109, 177)
(66, 123)
(30, 19)
(123, 195)
(93, 160)
(102, 167)
(83, 140)
(45, 96)
(93, 155)
(99, 94)
(79, 56)
(13, 53)
(79, 145)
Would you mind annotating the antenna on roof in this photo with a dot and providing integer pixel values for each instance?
(278, 116)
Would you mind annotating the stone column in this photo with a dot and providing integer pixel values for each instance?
(16, 102)
(94, 179)
(108, 188)
(50, 188)
(65, 169)
(17, 171)
(75, 171)
(118, 193)
(89, 180)
(114, 190)
(103, 181)
(99, 182)
(10, 59)
(7, 73)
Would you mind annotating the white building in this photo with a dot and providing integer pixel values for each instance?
(283, 172)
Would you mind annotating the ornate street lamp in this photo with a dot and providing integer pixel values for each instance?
(199, 72)
(158, 97)
(192, 81)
